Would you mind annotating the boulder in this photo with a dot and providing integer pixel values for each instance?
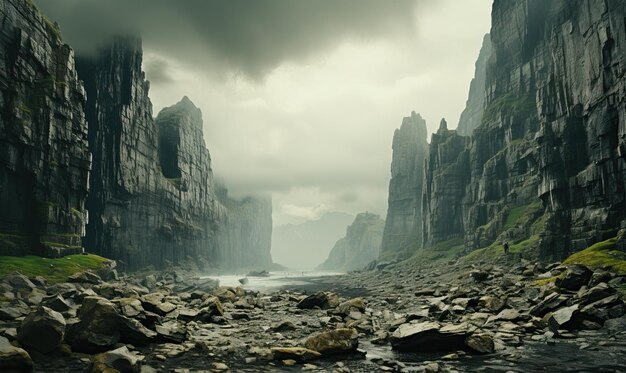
(86, 277)
(321, 299)
(551, 302)
(299, 354)
(574, 277)
(479, 275)
(101, 327)
(354, 304)
(172, 331)
(42, 330)
(481, 343)
(120, 359)
(18, 282)
(57, 303)
(564, 318)
(210, 308)
(600, 291)
(429, 337)
(14, 359)
(338, 341)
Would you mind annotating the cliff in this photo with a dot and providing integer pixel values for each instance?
(153, 200)
(545, 169)
(44, 160)
(243, 237)
(360, 246)
(472, 115)
(403, 226)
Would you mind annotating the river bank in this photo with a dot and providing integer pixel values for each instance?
(450, 317)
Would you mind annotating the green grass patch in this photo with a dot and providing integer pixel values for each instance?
(440, 252)
(53, 270)
(601, 254)
(514, 216)
(496, 250)
(544, 281)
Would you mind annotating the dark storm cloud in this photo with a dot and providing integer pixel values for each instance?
(251, 37)
(157, 70)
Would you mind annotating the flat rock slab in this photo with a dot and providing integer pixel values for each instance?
(429, 337)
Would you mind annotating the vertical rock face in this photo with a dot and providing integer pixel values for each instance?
(153, 200)
(446, 177)
(403, 226)
(547, 163)
(44, 160)
(472, 116)
(244, 234)
(360, 246)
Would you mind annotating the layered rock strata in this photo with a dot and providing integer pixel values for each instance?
(44, 159)
(403, 225)
(546, 166)
(360, 246)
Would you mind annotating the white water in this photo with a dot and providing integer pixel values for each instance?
(274, 281)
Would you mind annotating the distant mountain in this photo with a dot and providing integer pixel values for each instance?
(306, 245)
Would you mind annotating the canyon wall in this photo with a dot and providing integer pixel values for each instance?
(153, 200)
(403, 227)
(85, 164)
(545, 169)
(44, 159)
(360, 246)
(472, 115)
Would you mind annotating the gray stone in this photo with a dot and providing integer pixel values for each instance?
(334, 342)
(428, 337)
(14, 359)
(42, 330)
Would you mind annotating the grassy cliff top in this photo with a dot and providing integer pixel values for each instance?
(53, 270)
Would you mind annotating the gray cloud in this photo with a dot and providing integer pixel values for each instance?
(158, 71)
(234, 36)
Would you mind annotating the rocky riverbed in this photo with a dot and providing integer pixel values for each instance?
(452, 317)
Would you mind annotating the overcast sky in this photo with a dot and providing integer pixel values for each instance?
(299, 98)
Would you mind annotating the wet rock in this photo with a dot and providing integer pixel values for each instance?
(243, 281)
(150, 281)
(481, 343)
(42, 330)
(129, 307)
(564, 318)
(575, 276)
(338, 341)
(299, 354)
(14, 359)
(479, 275)
(428, 337)
(615, 326)
(323, 300)
(120, 359)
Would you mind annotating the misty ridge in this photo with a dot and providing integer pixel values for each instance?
(328, 185)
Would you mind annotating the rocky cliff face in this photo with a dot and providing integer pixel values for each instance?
(244, 233)
(44, 160)
(360, 246)
(153, 200)
(403, 227)
(545, 169)
(472, 116)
